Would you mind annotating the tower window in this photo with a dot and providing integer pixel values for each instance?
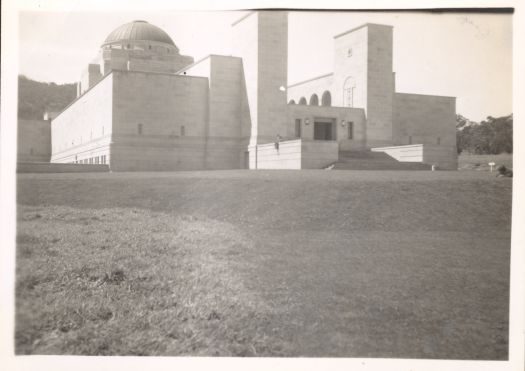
(149, 47)
(350, 130)
(182, 131)
(139, 129)
(438, 141)
(410, 139)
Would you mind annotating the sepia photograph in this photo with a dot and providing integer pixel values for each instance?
(264, 183)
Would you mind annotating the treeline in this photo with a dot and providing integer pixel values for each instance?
(34, 97)
(491, 136)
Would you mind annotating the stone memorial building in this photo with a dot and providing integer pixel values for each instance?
(143, 106)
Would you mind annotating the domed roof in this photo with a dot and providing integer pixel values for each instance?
(139, 30)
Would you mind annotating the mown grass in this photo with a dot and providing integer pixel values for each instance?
(132, 282)
(284, 263)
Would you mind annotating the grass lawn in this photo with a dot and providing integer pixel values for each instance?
(264, 263)
(467, 161)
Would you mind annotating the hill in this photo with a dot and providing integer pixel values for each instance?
(35, 98)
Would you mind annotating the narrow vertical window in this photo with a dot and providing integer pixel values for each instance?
(298, 128)
(439, 141)
(350, 130)
(31, 152)
(182, 131)
(410, 139)
(139, 129)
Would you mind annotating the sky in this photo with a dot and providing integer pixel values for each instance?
(466, 55)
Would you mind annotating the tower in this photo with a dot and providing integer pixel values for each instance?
(261, 40)
(363, 78)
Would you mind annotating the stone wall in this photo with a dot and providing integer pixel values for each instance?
(287, 156)
(34, 140)
(410, 153)
(159, 121)
(83, 130)
(296, 154)
(225, 140)
(428, 120)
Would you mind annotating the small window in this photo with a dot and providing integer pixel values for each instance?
(410, 139)
(438, 141)
(182, 131)
(149, 47)
(350, 130)
(31, 151)
(128, 46)
(139, 129)
(298, 128)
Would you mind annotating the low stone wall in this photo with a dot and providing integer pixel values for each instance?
(442, 156)
(47, 167)
(297, 154)
(410, 153)
(287, 156)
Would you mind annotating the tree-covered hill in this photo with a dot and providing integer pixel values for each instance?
(491, 136)
(34, 97)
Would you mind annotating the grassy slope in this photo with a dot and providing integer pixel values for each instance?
(317, 263)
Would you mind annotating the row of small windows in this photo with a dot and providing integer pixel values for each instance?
(326, 100)
(92, 160)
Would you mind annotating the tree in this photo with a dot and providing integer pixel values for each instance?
(491, 136)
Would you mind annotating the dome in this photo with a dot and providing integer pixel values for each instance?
(138, 31)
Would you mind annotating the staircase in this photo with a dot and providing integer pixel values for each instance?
(368, 160)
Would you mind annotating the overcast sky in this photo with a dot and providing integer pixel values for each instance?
(465, 55)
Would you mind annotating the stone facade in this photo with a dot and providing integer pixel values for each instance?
(144, 106)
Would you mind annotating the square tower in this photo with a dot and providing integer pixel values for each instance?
(261, 40)
(363, 78)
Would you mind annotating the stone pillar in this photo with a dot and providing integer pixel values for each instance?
(261, 40)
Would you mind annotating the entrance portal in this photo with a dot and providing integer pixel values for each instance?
(324, 130)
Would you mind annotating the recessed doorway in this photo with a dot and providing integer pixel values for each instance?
(324, 130)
